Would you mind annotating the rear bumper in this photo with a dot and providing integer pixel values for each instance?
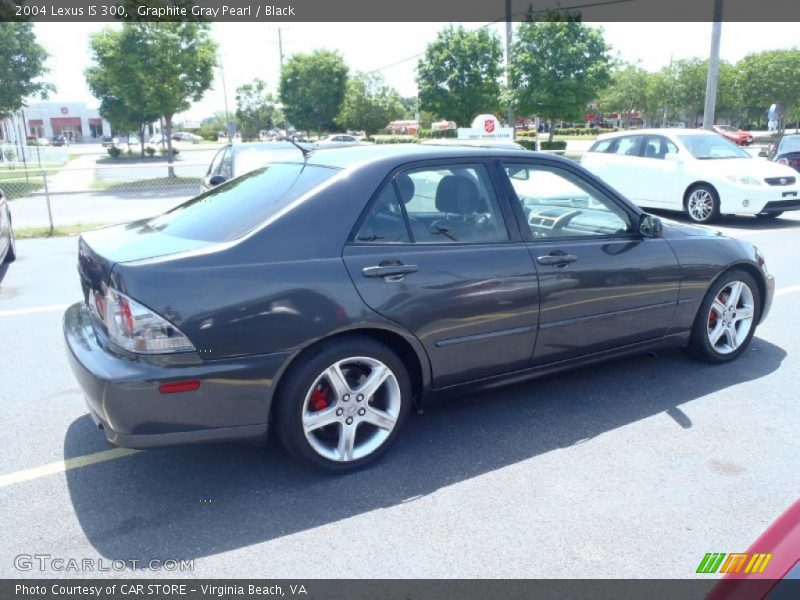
(123, 397)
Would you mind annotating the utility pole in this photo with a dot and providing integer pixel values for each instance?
(509, 32)
(712, 79)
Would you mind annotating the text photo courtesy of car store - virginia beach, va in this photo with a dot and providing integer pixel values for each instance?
(494, 304)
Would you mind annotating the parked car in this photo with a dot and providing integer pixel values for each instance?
(338, 140)
(322, 295)
(737, 136)
(108, 141)
(158, 140)
(233, 160)
(59, 140)
(132, 140)
(696, 171)
(8, 248)
(770, 569)
(185, 136)
(41, 141)
(788, 152)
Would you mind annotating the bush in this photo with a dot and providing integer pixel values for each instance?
(394, 140)
(545, 145)
(435, 134)
(150, 151)
(114, 152)
(163, 151)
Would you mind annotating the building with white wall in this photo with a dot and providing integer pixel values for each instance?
(73, 120)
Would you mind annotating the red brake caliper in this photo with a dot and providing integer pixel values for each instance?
(319, 398)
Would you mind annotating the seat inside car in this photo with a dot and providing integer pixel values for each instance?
(458, 197)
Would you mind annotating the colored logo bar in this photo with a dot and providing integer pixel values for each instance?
(714, 562)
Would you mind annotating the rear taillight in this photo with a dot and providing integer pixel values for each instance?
(136, 328)
(783, 161)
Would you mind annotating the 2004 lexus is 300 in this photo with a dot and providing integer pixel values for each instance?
(322, 297)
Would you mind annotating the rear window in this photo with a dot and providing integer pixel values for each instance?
(229, 211)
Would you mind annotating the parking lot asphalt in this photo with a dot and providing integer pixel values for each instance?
(632, 468)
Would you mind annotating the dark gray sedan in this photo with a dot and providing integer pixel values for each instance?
(8, 248)
(322, 296)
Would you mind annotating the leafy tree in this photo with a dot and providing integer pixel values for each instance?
(459, 76)
(312, 88)
(557, 68)
(410, 106)
(211, 126)
(687, 88)
(255, 109)
(122, 102)
(369, 104)
(771, 76)
(158, 68)
(21, 66)
(628, 90)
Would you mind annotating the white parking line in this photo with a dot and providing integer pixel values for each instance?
(15, 312)
(62, 466)
(788, 290)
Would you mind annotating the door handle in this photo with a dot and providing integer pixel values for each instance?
(389, 269)
(557, 258)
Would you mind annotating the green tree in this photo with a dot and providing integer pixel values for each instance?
(160, 68)
(210, 127)
(21, 67)
(628, 90)
(687, 82)
(771, 76)
(459, 76)
(369, 104)
(125, 106)
(557, 68)
(312, 88)
(255, 109)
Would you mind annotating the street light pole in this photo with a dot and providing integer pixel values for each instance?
(225, 97)
(712, 79)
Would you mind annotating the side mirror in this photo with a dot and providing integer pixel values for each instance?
(650, 226)
(763, 154)
(216, 180)
(673, 157)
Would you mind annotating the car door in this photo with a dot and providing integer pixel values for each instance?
(659, 179)
(602, 284)
(626, 161)
(434, 253)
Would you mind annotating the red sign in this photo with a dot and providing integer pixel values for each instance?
(488, 125)
(64, 110)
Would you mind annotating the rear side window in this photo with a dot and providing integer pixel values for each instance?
(601, 145)
(229, 211)
(385, 222)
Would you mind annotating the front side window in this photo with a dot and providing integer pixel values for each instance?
(601, 145)
(658, 146)
(558, 204)
(213, 168)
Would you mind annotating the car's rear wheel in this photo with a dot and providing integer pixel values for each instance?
(702, 204)
(343, 405)
(726, 321)
(769, 216)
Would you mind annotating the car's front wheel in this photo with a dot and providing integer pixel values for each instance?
(343, 405)
(727, 318)
(702, 204)
(11, 254)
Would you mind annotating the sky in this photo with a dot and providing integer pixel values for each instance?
(250, 50)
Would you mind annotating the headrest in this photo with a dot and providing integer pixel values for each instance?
(457, 194)
(406, 186)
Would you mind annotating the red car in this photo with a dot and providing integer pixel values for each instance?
(737, 136)
(781, 576)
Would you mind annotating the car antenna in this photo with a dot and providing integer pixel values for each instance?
(306, 151)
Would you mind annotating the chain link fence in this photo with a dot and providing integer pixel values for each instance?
(94, 189)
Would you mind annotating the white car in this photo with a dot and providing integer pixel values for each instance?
(338, 140)
(692, 170)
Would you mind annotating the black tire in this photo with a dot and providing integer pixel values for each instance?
(700, 347)
(769, 216)
(11, 254)
(695, 215)
(296, 386)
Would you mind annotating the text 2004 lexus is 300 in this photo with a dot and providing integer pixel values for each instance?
(322, 296)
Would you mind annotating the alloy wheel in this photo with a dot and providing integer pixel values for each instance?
(351, 409)
(700, 205)
(730, 318)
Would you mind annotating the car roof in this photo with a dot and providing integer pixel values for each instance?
(263, 146)
(397, 154)
(663, 131)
